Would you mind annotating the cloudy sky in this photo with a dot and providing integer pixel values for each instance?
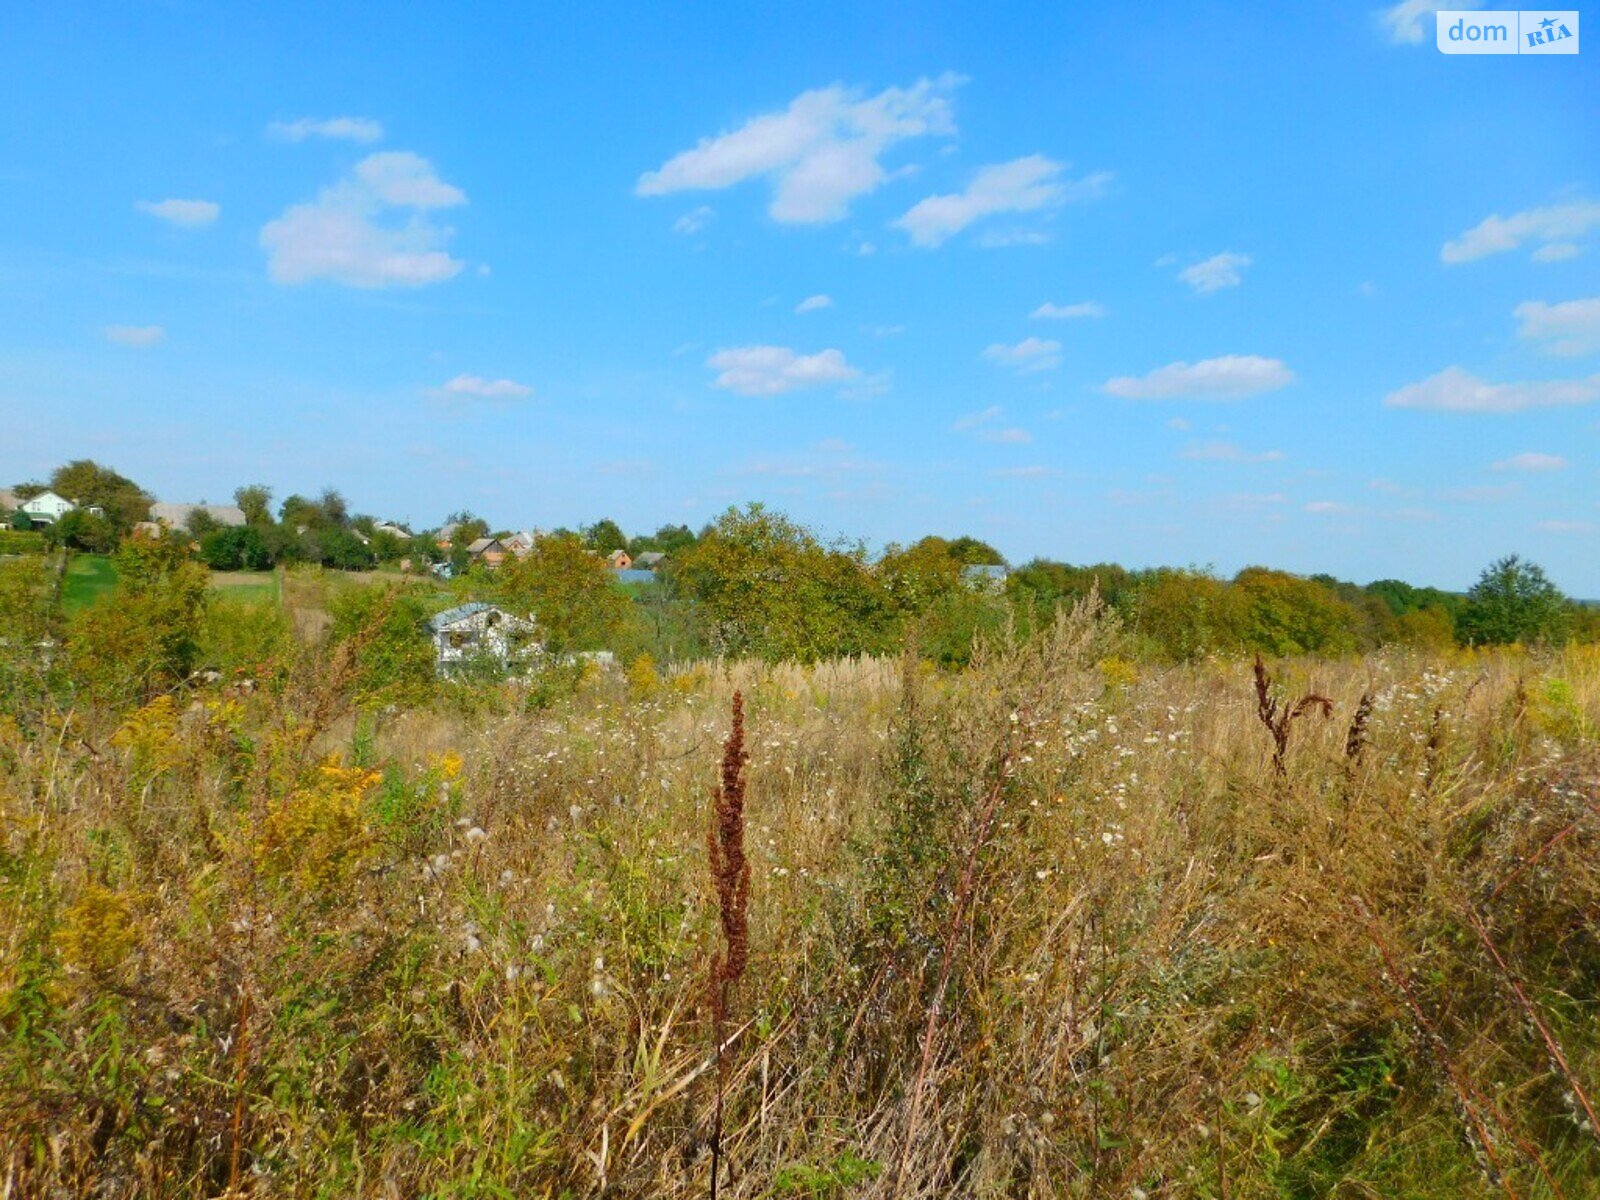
(1188, 283)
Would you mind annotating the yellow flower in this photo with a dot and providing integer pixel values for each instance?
(97, 931)
(448, 764)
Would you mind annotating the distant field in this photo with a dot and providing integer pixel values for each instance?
(89, 577)
(259, 587)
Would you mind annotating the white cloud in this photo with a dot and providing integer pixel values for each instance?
(1000, 239)
(476, 387)
(1034, 472)
(349, 129)
(1215, 273)
(1019, 186)
(188, 213)
(1390, 488)
(135, 337)
(1532, 461)
(984, 425)
(1556, 252)
(371, 229)
(406, 180)
(869, 387)
(821, 152)
(1008, 436)
(1481, 495)
(1068, 312)
(1403, 22)
(1327, 508)
(974, 420)
(1229, 453)
(773, 370)
(1555, 226)
(694, 220)
(813, 303)
(1028, 355)
(1567, 527)
(1180, 424)
(1454, 390)
(1231, 377)
(1571, 328)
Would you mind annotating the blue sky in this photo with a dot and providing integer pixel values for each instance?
(1185, 284)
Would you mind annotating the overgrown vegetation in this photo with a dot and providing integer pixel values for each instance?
(1063, 922)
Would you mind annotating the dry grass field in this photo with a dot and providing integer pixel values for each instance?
(1057, 925)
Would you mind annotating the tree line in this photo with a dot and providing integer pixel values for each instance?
(755, 582)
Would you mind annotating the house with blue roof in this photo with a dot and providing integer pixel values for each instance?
(477, 632)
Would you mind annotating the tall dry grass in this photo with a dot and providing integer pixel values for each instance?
(1055, 926)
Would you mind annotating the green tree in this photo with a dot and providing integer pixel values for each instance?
(88, 484)
(255, 502)
(1283, 614)
(335, 546)
(1040, 587)
(970, 552)
(919, 575)
(469, 527)
(567, 590)
(1513, 601)
(1426, 628)
(668, 539)
(1185, 614)
(605, 536)
(766, 586)
(81, 529)
(236, 548)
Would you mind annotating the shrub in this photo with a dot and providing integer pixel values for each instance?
(385, 630)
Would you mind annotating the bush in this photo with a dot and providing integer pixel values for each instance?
(240, 548)
(385, 630)
(147, 638)
(21, 541)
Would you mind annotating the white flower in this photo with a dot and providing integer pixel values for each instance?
(475, 835)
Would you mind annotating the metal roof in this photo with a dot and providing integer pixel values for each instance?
(459, 613)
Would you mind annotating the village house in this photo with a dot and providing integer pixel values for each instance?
(478, 632)
(520, 544)
(178, 516)
(649, 560)
(46, 508)
(619, 560)
(488, 551)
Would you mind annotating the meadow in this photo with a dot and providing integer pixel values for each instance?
(1060, 923)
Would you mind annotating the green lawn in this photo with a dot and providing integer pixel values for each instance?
(88, 579)
(247, 587)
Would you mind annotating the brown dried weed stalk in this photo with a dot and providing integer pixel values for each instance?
(730, 875)
(1280, 719)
